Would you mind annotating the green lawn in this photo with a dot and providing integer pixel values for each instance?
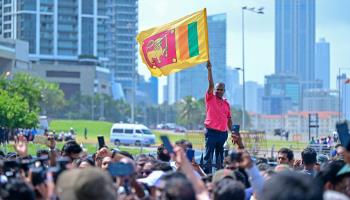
(96, 128)
(91, 148)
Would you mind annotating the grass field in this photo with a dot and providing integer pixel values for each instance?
(96, 128)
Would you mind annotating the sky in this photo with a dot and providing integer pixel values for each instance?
(332, 23)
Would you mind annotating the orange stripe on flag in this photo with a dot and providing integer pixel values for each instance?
(182, 41)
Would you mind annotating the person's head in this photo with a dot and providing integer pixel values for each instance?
(105, 162)
(85, 162)
(227, 189)
(147, 168)
(285, 156)
(162, 166)
(343, 185)
(88, 183)
(340, 151)
(219, 90)
(291, 186)
(328, 175)
(17, 189)
(163, 154)
(175, 186)
(140, 162)
(309, 156)
(71, 149)
(231, 161)
(42, 152)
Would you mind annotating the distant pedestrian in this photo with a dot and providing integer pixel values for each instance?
(85, 133)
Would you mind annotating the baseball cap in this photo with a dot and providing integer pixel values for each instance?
(88, 183)
(321, 159)
(344, 170)
(152, 179)
(223, 173)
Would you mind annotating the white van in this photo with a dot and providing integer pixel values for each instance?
(131, 134)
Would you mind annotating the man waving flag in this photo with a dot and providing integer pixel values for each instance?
(175, 46)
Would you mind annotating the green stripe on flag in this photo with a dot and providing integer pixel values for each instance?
(193, 39)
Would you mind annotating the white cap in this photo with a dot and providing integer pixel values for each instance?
(152, 179)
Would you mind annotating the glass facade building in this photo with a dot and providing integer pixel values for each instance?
(322, 63)
(295, 38)
(57, 29)
(194, 81)
(280, 88)
(121, 43)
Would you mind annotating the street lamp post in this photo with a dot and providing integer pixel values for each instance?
(257, 11)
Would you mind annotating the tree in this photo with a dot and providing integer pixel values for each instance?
(190, 112)
(15, 112)
(236, 115)
(40, 94)
(52, 98)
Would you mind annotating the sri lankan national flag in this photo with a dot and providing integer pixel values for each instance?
(175, 46)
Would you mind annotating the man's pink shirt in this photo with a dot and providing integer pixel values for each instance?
(218, 112)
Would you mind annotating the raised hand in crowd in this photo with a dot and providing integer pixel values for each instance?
(21, 146)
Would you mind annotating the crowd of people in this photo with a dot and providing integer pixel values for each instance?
(70, 173)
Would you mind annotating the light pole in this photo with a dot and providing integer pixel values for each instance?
(257, 11)
(243, 97)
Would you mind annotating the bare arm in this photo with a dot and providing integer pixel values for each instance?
(210, 78)
(229, 124)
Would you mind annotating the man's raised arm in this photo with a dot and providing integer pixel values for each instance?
(210, 78)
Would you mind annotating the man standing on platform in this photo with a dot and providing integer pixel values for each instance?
(217, 122)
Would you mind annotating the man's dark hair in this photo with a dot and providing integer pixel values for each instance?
(337, 145)
(127, 154)
(177, 187)
(42, 152)
(291, 186)
(161, 155)
(71, 147)
(17, 189)
(162, 166)
(309, 156)
(329, 172)
(290, 154)
(227, 189)
(261, 161)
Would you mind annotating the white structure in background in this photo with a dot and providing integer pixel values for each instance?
(294, 122)
(14, 56)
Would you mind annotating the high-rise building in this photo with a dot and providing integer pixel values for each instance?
(251, 96)
(147, 90)
(344, 86)
(232, 83)
(194, 81)
(320, 100)
(283, 85)
(260, 95)
(295, 38)
(322, 62)
(121, 46)
(61, 30)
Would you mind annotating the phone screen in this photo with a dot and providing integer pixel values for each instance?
(40, 139)
(343, 133)
(235, 129)
(101, 141)
(167, 143)
(190, 154)
(120, 169)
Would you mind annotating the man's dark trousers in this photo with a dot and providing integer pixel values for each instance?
(214, 141)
